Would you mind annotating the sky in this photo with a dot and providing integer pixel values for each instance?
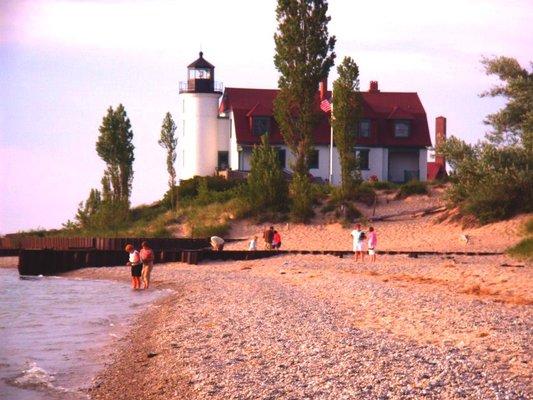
(64, 62)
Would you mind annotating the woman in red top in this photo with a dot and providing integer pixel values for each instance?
(276, 241)
(147, 258)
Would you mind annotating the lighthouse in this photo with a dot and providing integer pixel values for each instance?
(198, 106)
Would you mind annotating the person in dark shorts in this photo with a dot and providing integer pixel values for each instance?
(136, 266)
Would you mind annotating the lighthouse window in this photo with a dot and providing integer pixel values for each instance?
(260, 126)
(201, 73)
(223, 160)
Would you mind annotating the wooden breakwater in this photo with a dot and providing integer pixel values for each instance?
(99, 243)
(197, 256)
(51, 262)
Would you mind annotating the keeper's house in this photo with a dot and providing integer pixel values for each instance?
(219, 127)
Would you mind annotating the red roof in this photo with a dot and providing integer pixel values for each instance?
(380, 107)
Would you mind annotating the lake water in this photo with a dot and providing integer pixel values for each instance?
(56, 333)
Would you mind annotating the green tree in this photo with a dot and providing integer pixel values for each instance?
(169, 142)
(115, 147)
(267, 187)
(87, 211)
(513, 124)
(345, 117)
(304, 56)
(493, 179)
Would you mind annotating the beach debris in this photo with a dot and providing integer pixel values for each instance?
(464, 238)
(512, 265)
(151, 354)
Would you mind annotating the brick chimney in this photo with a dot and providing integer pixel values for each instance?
(323, 88)
(373, 87)
(440, 137)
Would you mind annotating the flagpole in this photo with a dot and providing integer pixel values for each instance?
(331, 144)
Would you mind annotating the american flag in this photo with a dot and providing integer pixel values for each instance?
(325, 105)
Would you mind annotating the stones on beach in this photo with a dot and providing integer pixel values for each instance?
(151, 354)
(341, 335)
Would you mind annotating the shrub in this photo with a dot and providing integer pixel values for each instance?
(166, 200)
(410, 188)
(523, 250)
(383, 185)
(189, 188)
(301, 193)
(365, 194)
(205, 231)
(346, 213)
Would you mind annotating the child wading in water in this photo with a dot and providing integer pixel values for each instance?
(147, 258)
(372, 243)
(136, 266)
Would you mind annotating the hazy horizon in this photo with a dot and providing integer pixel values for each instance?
(63, 63)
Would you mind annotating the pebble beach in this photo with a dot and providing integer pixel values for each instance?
(322, 327)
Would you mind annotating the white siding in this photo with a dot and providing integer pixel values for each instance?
(223, 134)
(423, 165)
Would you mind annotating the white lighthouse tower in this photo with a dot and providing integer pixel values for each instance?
(198, 102)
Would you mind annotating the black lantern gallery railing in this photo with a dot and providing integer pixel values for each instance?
(201, 86)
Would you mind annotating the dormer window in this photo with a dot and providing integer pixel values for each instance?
(402, 128)
(364, 128)
(260, 126)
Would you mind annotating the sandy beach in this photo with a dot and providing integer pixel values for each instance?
(322, 327)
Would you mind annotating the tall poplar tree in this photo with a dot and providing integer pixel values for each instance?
(266, 184)
(115, 147)
(345, 117)
(304, 56)
(169, 142)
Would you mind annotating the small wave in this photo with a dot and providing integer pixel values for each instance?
(37, 378)
(34, 377)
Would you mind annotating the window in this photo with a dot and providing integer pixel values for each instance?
(223, 160)
(364, 128)
(260, 125)
(183, 131)
(183, 106)
(313, 159)
(402, 128)
(362, 159)
(201, 73)
(282, 157)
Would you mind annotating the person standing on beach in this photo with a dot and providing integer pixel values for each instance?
(358, 239)
(268, 236)
(276, 241)
(147, 258)
(136, 266)
(253, 244)
(372, 243)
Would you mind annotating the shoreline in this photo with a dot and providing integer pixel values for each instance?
(189, 343)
